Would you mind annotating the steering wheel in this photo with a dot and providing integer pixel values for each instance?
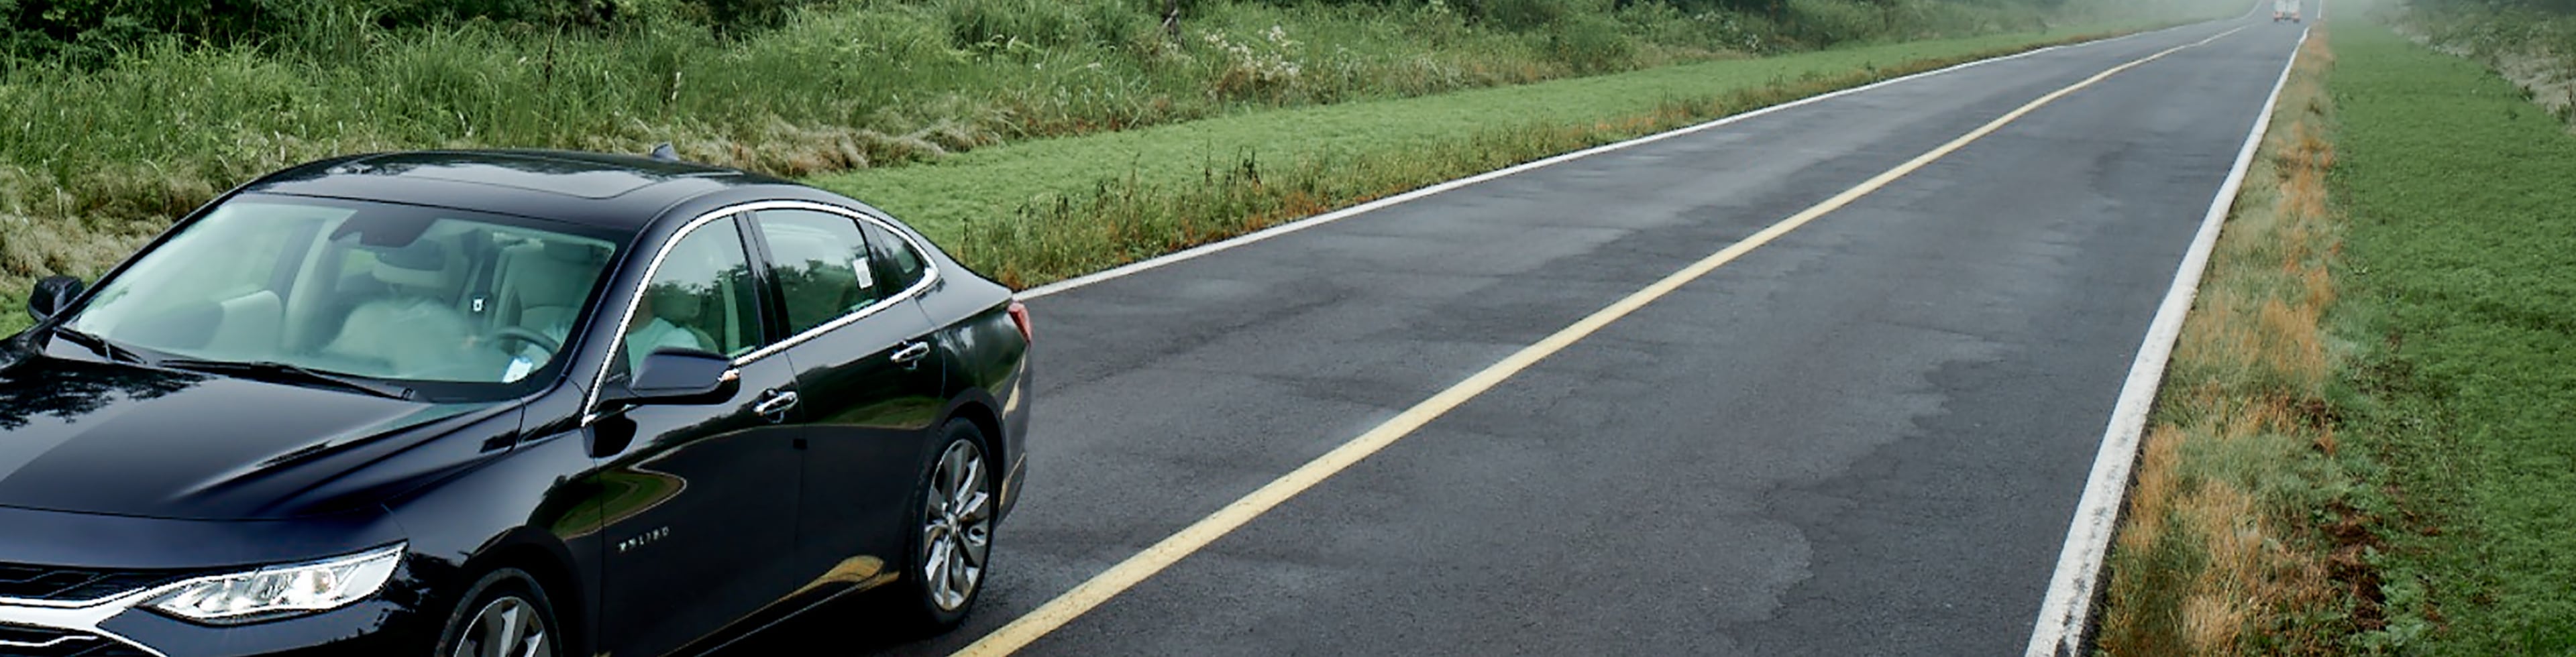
(524, 335)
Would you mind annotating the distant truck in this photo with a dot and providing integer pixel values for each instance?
(2285, 10)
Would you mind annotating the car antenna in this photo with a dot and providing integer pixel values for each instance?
(665, 153)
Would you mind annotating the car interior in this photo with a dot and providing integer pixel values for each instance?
(398, 295)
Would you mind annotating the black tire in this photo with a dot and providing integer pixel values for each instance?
(916, 599)
(497, 592)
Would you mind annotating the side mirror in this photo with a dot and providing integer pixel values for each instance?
(678, 376)
(52, 294)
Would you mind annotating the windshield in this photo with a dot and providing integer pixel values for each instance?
(370, 289)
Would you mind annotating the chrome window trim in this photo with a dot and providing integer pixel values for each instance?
(929, 274)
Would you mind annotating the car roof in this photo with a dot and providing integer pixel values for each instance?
(622, 192)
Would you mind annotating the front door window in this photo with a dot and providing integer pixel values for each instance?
(700, 298)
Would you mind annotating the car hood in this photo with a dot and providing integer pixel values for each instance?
(121, 439)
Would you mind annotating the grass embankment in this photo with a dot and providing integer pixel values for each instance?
(2530, 43)
(2240, 537)
(96, 155)
(2362, 445)
(99, 158)
(2464, 312)
(92, 161)
(1043, 211)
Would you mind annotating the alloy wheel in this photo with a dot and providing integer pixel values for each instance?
(506, 627)
(957, 526)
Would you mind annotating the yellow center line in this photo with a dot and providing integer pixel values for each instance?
(1162, 554)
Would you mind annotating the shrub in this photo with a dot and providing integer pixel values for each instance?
(738, 14)
(89, 33)
(997, 24)
(1590, 44)
(1828, 22)
(1519, 15)
(1437, 22)
(1115, 23)
(396, 13)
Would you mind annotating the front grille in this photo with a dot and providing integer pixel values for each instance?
(54, 584)
(19, 641)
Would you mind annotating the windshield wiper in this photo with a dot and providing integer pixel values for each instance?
(287, 373)
(105, 348)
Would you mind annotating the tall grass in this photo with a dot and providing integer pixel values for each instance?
(2241, 536)
(92, 161)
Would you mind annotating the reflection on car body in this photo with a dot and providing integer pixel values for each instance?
(522, 402)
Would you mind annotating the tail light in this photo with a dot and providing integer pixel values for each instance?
(1020, 317)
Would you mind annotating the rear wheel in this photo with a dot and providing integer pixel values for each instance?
(505, 614)
(952, 539)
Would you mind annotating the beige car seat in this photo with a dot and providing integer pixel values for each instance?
(415, 329)
(542, 284)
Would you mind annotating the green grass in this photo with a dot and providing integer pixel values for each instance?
(1039, 211)
(2462, 219)
(991, 181)
(1193, 174)
(94, 160)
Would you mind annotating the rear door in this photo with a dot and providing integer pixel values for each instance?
(870, 384)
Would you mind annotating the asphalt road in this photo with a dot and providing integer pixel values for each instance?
(1865, 438)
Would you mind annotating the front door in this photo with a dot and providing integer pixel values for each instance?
(700, 506)
(871, 380)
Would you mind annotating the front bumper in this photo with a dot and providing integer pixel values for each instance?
(115, 628)
(110, 622)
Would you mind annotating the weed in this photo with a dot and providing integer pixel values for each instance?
(2223, 549)
(1832, 21)
(1591, 44)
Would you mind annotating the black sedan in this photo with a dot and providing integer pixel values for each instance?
(504, 403)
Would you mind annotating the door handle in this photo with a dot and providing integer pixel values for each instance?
(911, 355)
(777, 402)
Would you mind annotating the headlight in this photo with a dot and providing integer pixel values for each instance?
(277, 591)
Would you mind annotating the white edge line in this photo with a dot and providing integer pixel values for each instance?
(1417, 194)
(2066, 614)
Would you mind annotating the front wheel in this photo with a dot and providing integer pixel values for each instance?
(952, 539)
(505, 614)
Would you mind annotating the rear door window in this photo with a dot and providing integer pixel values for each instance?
(901, 264)
(822, 264)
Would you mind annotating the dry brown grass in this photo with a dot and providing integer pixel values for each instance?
(2222, 551)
